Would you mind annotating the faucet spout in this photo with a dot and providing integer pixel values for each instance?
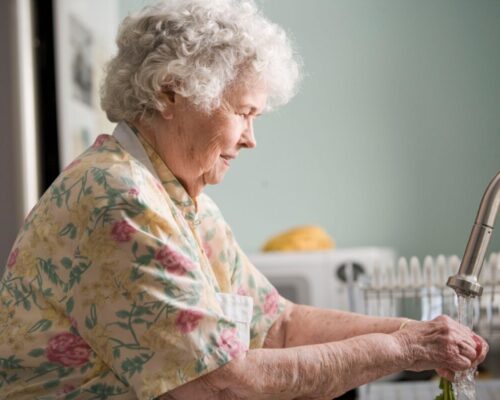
(465, 282)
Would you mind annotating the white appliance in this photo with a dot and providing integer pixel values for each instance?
(323, 278)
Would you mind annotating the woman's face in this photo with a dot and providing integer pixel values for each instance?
(198, 147)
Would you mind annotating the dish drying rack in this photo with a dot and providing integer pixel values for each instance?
(418, 290)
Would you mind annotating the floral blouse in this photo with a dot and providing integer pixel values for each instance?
(112, 289)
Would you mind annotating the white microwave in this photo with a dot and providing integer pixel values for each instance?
(326, 279)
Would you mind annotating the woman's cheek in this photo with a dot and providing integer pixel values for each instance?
(211, 158)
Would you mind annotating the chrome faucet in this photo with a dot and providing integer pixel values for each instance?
(465, 282)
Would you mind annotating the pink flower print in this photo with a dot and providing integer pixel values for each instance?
(188, 320)
(72, 164)
(68, 350)
(207, 249)
(271, 302)
(12, 258)
(174, 262)
(134, 192)
(122, 231)
(230, 343)
(242, 291)
(100, 141)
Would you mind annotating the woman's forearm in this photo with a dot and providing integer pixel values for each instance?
(313, 371)
(301, 325)
(330, 369)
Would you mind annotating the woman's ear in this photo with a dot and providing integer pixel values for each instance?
(168, 98)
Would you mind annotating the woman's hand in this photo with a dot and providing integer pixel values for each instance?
(481, 348)
(442, 344)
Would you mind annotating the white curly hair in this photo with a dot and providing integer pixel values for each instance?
(196, 48)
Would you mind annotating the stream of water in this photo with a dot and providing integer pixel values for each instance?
(464, 385)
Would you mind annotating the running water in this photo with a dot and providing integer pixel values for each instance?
(465, 386)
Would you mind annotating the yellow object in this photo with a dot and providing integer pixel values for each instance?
(301, 238)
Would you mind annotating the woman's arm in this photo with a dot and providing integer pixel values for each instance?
(316, 371)
(324, 371)
(301, 325)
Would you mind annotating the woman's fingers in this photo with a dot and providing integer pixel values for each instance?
(481, 349)
(462, 349)
(462, 363)
(478, 343)
(468, 351)
(477, 351)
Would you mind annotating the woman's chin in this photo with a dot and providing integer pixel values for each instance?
(214, 178)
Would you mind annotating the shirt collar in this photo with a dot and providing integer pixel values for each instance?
(131, 139)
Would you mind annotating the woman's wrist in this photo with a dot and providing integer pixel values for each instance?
(406, 343)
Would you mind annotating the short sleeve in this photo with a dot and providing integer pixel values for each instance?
(141, 300)
(268, 304)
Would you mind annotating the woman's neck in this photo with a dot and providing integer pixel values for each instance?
(158, 139)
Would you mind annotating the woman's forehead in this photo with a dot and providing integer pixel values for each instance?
(253, 94)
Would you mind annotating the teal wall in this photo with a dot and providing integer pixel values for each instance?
(395, 132)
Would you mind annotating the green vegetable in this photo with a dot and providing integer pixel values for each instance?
(446, 390)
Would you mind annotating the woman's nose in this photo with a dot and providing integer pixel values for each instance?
(248, 138)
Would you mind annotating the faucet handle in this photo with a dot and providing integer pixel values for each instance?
(466, 282)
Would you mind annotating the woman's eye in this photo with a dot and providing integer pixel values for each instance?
(248, 115)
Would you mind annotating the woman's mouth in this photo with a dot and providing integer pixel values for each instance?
(226, 158)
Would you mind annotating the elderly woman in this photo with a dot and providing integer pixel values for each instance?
(125, 282)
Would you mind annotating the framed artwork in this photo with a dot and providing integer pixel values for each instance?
(84, 42)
